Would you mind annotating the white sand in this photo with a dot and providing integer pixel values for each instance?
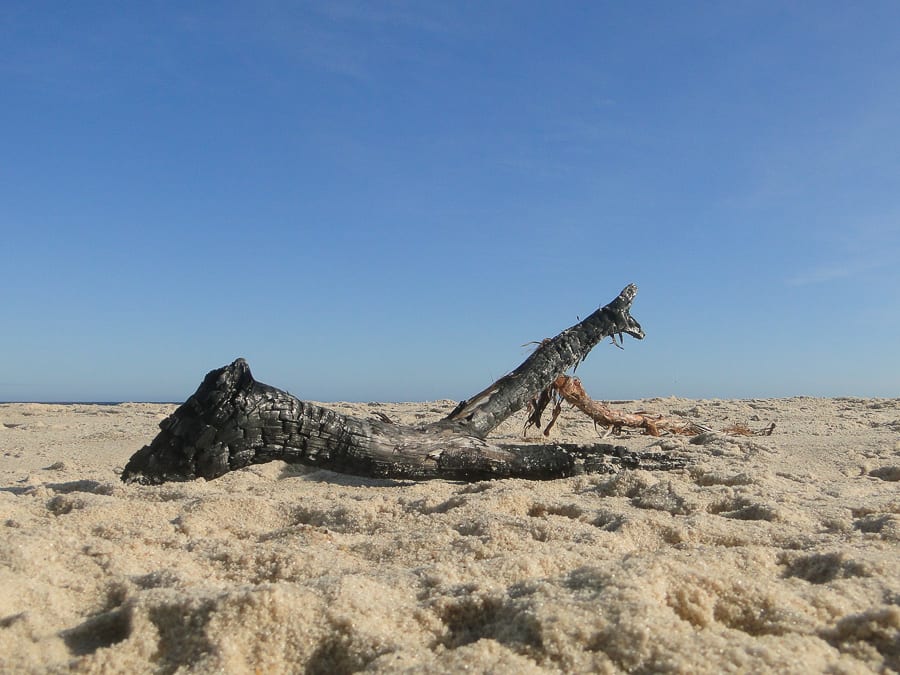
(777, 554)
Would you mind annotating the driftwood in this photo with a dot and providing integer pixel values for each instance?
(741, 429)
(232, 421)
(570, 389)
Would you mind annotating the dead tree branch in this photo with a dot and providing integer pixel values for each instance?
(570, 389)
(232, 421)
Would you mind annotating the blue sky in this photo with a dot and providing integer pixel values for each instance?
(386, 200)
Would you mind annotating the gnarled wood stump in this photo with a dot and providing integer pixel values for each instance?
(232, 421)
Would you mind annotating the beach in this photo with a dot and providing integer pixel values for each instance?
(775, 553)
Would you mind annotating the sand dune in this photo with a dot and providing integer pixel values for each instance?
(768, 554)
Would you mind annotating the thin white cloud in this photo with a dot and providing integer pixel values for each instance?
(354, 39)
(854, 267)
(825, 273)
(437, 18)
(855, 250)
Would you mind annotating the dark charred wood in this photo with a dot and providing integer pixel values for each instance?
(484, 411)
(232, 421)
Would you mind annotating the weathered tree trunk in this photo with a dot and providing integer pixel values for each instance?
(232, 421)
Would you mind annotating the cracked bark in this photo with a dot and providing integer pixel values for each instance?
(232, 421)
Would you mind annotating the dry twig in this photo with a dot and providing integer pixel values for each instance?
(570, 389)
